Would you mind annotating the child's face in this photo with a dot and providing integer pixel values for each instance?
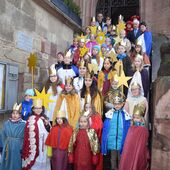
(108, 21)
(95, 51)
(86, 57)
(122, 34)
(15, 115)
(81, 44)
(92, 37)
(59, 121)
(143, 28)
(107, 64)
(118, 106)
(114, 84)
(53, 78)
(83, 123)
(88, 82)
(27, 98)
(135, 91)
(37, 110)
(88, 107)
(108, 41)
(82, 71)
(137, 63)
(60, 58)
(67, 59)
(68, 87)
(138, 49)
(93, 23)
(103, 49)
(88, 31)
(121, 49)
(137, 118)
(75, 42)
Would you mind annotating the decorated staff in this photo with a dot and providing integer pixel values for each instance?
(32, 61)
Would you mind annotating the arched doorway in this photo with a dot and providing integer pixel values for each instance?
(114, 8)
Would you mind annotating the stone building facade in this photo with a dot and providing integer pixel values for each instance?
(34, 26)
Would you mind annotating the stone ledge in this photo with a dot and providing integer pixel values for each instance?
(52, 9)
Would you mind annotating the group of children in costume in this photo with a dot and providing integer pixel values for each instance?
(91, 113)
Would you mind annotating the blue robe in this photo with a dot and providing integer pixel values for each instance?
(12, 140)
(106, 128)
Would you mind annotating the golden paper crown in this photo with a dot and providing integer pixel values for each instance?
(119, 98)
(17, 107)
(115, 78)
(37, 102)
(52, 70)
(93, 19)
(93, 68)
(135, 85)
(61, 114)
(69, 81)
(139, 109)
(82, 63)
(138, 56)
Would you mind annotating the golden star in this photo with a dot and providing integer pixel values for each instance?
(32, 61)
(44, 96)
(122, 80)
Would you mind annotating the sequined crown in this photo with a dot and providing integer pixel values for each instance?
(119, 98)
(139, 109)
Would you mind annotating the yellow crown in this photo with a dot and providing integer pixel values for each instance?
(61, 114)
(139, 109)
(37, 102)
(99, 28)
(82, 63)
(52, 70)
(115, 78)
(69, 81)
(17, 107)
(120, 18)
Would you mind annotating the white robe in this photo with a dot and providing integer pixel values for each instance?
(42, 161)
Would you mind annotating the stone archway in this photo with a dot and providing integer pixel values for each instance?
(127, 8)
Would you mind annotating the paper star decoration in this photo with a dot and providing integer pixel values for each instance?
(32, 61)
(44, 96)
(122, 80)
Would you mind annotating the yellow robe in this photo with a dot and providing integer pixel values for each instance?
(73, 108)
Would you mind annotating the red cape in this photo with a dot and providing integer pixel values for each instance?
(135, 152)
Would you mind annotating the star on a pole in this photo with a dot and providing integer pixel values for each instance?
(32, 61)
(122, 79)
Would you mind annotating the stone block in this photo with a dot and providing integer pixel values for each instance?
(6, 29)
(16, 3)
(2, 7)
(37, 44)
(28, 8)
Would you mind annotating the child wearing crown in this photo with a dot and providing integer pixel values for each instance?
(115, 129)
(12, 140)
(84, 146)
(68, 101)
(79, 81)
(96, 123)
(136, 143)
(90, 88)
(68, 69)
(139, 75)
(54, 87)
(34, 155)
(58, 139)
(105, 76)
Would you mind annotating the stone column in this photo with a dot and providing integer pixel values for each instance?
(160, 158)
